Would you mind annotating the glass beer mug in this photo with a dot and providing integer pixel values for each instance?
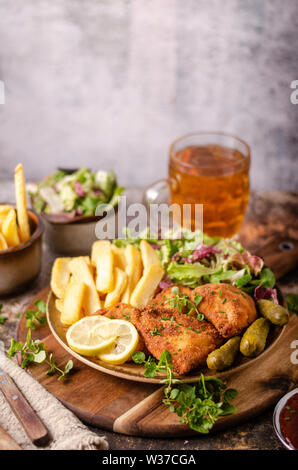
(211, 169)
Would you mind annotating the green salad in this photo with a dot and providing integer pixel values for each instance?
(193, 258)
(78, 193)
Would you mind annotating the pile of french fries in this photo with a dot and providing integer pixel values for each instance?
(14, 224)
(86, 284)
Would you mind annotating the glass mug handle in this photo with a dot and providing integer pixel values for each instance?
(159, 191)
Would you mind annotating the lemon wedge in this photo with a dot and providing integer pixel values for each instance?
(83, 338)
(123, 346)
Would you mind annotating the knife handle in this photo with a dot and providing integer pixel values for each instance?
(7, 442)
(34, 428)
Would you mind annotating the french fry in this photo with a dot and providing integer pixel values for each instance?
(102, 257)
(9, 229)
(2, 218)
(22, 214)
(81, 271)
(73, 302)
(120, 283)
(59, 304)
(60, 276)
(149, 255)
(133, 270)
(87, 259)
(119, 257)
(3, 244)
(5, 208)
(146, 286)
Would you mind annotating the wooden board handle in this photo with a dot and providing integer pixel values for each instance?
(34, 428)
(7, 442)
(280, 254)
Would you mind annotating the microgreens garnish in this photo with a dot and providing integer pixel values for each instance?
(37, 317)
(2, 317)
(224, 300)
(199, 405)
(34, 351)
(182, 300)
(198, 299)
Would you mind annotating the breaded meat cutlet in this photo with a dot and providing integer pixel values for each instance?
(163, 299)
(123, 311)
(228, 308)
(187, 339)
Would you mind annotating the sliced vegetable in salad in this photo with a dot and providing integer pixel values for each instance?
(78, 193)
(193, 258)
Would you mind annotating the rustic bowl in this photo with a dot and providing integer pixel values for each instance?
(72, 236)
(21, 264)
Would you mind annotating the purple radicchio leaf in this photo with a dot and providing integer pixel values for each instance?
(265, 293)
(204, 251)
(165, 284)
(79, 189)
(255, 263)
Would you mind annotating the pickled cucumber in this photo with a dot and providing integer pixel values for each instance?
(277, 314)
(224, 356)
(253, 341)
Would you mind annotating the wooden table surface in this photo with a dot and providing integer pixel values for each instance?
(269, 213)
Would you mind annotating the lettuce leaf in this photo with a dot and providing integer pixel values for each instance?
(188, 274)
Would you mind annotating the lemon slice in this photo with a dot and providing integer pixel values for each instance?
(84, 339)
(125, 344)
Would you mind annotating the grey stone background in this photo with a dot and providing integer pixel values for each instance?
(109, 84)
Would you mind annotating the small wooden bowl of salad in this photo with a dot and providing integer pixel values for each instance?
(67, 201)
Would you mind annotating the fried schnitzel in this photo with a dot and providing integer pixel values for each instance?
(228, 308)
(124, 312)
(187, 339)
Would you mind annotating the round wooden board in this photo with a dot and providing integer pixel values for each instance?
(136, 408)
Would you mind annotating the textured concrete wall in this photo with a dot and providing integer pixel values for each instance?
(112, 83)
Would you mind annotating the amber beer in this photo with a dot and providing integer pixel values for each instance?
(213, 170)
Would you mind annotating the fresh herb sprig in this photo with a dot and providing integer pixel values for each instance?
(199, 405)
(182, 300)
(37, 317)
(2, 317)
(164, 365)
(34, 351)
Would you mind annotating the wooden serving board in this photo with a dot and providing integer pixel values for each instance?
(136, 408)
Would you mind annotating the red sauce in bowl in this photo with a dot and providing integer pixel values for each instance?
(289, 421)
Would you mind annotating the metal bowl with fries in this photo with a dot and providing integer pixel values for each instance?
(20, 240)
